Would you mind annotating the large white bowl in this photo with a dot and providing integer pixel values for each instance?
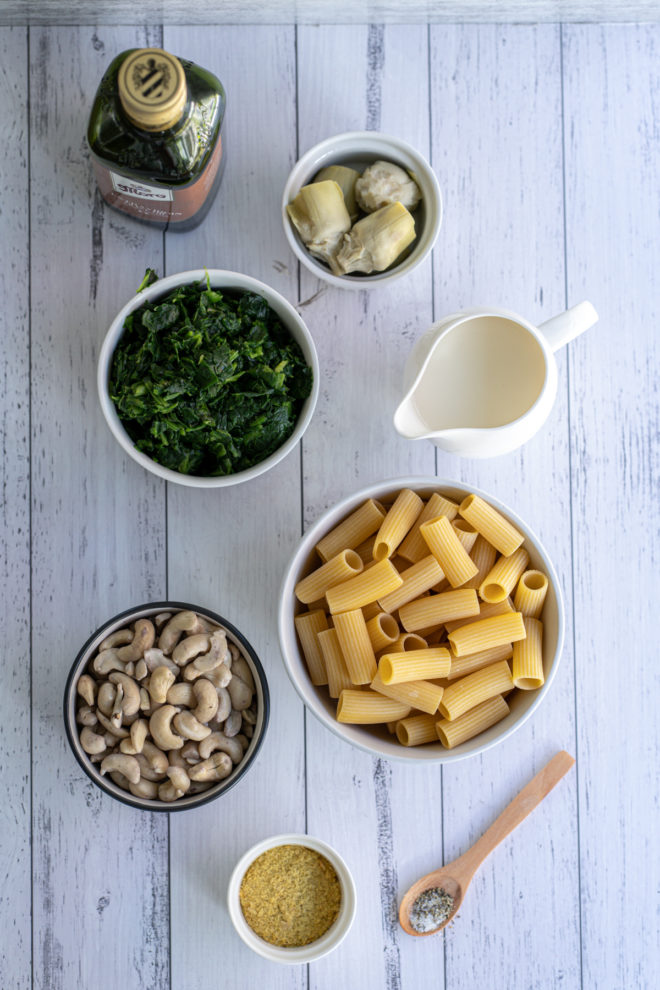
(303, 953)
(358, 149)
(374, 739)
(219, 279)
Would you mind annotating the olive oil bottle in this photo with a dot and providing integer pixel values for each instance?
(154, 136)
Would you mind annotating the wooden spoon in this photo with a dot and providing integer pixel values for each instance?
(455, 878)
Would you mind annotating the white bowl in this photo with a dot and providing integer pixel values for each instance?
(304, 953)
(358, 149)
(219, 279)
(374, 739)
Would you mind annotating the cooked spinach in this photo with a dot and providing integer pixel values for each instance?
(208, 382)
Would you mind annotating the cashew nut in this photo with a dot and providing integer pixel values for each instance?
(118, 638)
(250, 715)
(106, 661)
(156, 658)
(175, 758)
(188, 726)
(145, 700)
(219, 741)
(189, 648)
(131, 692)
(159, 684)
(91, 741)
(106, 698)
(190, 752)
(160, 728)
(117, 714)
(224, 708)
(161, 619)
(144, 789)
(233, 724)
(127, 765)
(86, 716)
(241, 668)
(181, 694)
(141, 670)
(217, 767)
(207, 700)
(143, 639)
(86, 688)
(179, 777)
(185, 621)
(220, 676)
(109, 726)
(215, 655)
(240, 693)
(139, 730)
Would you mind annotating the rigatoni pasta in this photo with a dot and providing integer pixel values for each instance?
(530, 593)
(426, 627)
(473, 722)
(491, 524)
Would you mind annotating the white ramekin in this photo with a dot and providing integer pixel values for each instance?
(304, 953)
(359, 149)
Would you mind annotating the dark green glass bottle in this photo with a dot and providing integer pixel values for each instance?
(154, 135)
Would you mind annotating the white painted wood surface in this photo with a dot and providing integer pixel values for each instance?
(546, 146)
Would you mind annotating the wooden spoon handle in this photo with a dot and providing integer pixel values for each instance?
(514, 813)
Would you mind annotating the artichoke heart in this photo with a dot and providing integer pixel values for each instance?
(346, 178)
(320, 216)
(384, 183)
(375, 242)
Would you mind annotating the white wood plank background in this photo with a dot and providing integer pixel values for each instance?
(545, 142)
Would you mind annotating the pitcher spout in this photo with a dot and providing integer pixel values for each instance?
(408, 423)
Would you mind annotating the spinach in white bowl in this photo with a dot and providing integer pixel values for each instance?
(214, 379)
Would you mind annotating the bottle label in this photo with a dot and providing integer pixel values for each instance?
(161, 203)
(138, 190)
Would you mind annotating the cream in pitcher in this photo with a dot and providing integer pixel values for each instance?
(482, 382)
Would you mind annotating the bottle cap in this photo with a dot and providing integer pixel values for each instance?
(152, 88)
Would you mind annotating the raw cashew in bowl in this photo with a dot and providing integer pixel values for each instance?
(166, 706)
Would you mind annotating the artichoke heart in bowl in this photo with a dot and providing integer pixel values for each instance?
(347, 205)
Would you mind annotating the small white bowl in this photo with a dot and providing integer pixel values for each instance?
(304, 953)
(374, 739)
(219, 279)
(359, 149)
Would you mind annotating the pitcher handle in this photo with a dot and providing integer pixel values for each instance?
(567, 326)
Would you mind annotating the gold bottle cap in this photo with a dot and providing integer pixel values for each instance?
(152, 88)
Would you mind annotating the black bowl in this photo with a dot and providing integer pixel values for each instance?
(79, 666)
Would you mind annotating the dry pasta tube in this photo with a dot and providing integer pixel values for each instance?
(530, 593)
(486, 609)
(414, 665)
(476, 720)
(340, 568)
(374, 583)
(503, 576)
(466, 533)
(426, 613)
(416, 730)
(483, 554)
(484, 633)
(383, 630)
(460, 666)
(448, 550)
(491, 524)
(470, 691)
(417, 579)
(397, 523)
(356, 646)
(423, 695)
(408, 641)
(368, 708)
(353, 530)
(335, 665)
(308, 626)
(527, 667)
(414, 546)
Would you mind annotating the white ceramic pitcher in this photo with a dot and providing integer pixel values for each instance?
(482, 382)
